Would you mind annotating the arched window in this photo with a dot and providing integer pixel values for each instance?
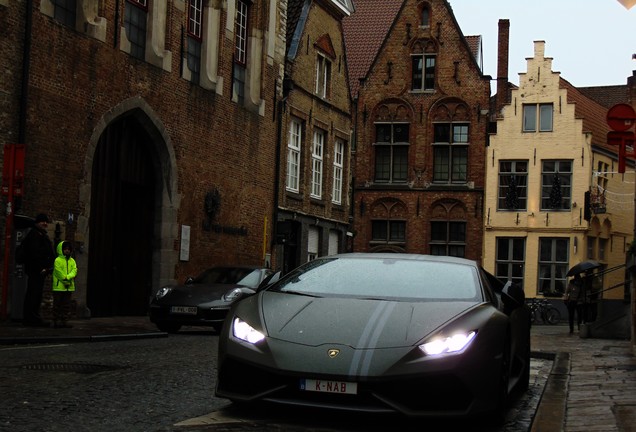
(425, 14)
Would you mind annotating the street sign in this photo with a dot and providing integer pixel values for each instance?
(621, 117)
(625, 141)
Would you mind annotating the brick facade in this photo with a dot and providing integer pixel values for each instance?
(387, 96)
(201, 141)
(312, 225)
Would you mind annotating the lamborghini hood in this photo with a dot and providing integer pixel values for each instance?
(358, 323)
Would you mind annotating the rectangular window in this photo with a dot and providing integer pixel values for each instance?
(602, 247)
(323, 76)
(542, 122)
(553, 266)
(239, 72)
(194, 39)
(313, 243)
(556, 185)
(195, 18)
(510, 259)
(293, 156)
(513, 185)
(338, 167)
(65, 12)
(240, 32)
(316, 164)
(448, 238)
(387, 231)
(422, 72)
(450, 152)
(391, 152)
(135, 16)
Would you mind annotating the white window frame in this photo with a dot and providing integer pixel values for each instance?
(323, 75)
(293, 156)
(338, 170)
(316, 163)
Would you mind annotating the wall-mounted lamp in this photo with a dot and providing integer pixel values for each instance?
(531, 214)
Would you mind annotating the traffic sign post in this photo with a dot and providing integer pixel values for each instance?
(621, 118)
(12, 186)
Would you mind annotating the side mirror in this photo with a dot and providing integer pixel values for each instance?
(512, 296)
(273, 278)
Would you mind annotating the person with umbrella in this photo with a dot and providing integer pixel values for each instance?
(573, 299)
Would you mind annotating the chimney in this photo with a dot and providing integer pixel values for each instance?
(502, 64)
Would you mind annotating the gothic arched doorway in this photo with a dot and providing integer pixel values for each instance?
(124, 187)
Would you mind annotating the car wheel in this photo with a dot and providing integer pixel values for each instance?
(168, 327)
(524, 379)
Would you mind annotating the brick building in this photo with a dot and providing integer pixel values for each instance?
(421, 117)
(149, 132)
(315, 115)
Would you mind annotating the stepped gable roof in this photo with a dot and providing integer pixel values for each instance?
(365, 31)
(593, 114)
(608, 96)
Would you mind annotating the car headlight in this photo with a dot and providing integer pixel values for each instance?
(244, 331)
(162, 292)
(452, 344)
(233, 295)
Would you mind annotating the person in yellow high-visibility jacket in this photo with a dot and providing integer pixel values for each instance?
(64, 273)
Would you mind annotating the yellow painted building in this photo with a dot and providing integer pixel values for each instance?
(554, 196)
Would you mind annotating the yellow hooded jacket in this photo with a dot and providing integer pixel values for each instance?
(64, 270)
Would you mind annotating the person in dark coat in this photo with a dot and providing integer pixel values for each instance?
(38, 257)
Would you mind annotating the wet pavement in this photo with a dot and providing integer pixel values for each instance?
(590, 384)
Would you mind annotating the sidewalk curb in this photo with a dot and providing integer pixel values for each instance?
(76, 339)
(550, 414)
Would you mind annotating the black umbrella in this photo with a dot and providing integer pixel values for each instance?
(583, 266)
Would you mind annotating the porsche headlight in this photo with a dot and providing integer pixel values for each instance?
(162, 292)
(447, 345)
(232, 295)
(244, 331)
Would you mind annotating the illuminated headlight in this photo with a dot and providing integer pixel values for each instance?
(162, 292)
(447, 345)
(244, 331)
(232, 295)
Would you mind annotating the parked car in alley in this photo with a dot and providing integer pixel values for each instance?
(205, 299)
(413, 334)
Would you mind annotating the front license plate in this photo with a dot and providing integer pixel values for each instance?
(188, 310)
(325, 386)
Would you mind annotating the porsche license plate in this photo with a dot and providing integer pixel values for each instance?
(326, 386)
(188, 310)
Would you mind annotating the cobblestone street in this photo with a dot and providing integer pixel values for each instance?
(165, 384)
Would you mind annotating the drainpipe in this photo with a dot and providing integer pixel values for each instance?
(8, 225)
(26, 63)
(280, 109)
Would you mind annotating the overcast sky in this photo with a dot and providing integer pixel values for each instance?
(591, 41)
